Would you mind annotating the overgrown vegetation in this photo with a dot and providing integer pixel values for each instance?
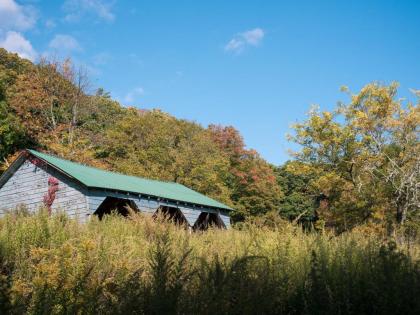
(53, 265)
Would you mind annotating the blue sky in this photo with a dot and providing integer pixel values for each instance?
(256, 65)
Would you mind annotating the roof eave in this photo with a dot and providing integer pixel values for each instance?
(59, 169)
(13, 167)
(160, 197)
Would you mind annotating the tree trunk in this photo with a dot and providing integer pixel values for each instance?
(401, 214)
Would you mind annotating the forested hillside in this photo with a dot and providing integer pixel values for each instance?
(48, 106)
(358, 164)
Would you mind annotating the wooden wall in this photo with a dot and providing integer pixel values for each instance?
(29, 184)
(149, 205)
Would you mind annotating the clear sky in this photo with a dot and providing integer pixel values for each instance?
(256, 65)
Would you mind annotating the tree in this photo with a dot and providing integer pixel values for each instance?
(250, 178)
(364, 157)
(12, 132)
(299, 201)
(389, 132)
(80, 82)
(156, 145)
(40, 98)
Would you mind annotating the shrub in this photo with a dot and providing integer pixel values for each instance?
(54, 265)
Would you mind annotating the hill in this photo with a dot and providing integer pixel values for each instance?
(46, 106)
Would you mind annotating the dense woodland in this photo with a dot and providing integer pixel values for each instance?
(357, 165)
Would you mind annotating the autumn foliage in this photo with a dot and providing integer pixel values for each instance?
(356, 164)
(363, 159)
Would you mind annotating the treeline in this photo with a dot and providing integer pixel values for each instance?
(358, 164)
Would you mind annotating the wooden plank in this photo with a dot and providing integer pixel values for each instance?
(24, 182)
(94, 202)
(63, 190)
(225, 218)
(71, 203)
(27, 182)
(144, 204)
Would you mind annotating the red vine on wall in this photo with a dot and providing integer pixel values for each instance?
(35, 161)
(49, 197)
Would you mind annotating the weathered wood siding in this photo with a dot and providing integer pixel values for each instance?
(150, 205)
(224, 215)
(29, 184)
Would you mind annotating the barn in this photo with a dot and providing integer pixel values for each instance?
(37, 179)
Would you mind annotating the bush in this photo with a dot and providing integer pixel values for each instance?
(53, 265)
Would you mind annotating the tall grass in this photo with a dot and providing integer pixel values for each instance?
(53, 265)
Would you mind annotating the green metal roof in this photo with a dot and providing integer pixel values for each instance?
(97, 178)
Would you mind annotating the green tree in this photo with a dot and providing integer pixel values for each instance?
(299, 201)
(156, 145)
(12, 132)
(363, 157)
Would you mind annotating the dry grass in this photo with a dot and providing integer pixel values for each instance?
(138, 266)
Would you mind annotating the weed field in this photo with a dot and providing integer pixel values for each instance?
(54, 265)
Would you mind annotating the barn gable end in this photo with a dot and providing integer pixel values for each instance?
(28, 184)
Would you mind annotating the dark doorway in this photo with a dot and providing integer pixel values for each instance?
(119, 205)
(207, 220)
(171, 214)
